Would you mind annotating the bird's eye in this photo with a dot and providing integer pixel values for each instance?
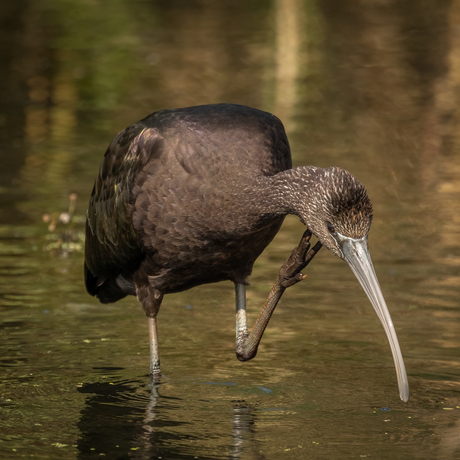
(330, 227)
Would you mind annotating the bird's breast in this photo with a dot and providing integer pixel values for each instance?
(190, 253)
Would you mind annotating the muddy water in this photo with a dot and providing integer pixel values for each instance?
(370, 87)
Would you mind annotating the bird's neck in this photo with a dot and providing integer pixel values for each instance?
(286, 192)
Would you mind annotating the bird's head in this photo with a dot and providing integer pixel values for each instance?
(338, 212)
(337, 209)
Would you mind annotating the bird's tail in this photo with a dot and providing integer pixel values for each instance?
(106, 290)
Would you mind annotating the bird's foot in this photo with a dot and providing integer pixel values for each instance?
(291, 271)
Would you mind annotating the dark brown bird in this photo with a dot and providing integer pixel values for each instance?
(192, 196)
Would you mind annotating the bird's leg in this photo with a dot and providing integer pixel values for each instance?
(289, 274)
(150, 300)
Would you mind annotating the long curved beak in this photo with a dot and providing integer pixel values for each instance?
(356, 254)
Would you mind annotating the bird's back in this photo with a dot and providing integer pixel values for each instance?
(166, 199)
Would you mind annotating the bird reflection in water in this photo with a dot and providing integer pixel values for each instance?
(192, 196)
(126, 419)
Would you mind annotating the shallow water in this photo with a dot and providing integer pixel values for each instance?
(372, 87)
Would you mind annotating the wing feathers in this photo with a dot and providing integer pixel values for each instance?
(111, 243)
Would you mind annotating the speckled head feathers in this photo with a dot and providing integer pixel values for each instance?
(349, 210)
(334, 199)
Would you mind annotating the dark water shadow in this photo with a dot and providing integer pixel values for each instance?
(127, 419)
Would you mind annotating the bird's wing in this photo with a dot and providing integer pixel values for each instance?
(111, 247)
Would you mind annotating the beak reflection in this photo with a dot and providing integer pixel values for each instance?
(356, 254)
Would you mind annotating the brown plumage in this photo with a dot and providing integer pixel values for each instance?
(192, 196)
(168, 198)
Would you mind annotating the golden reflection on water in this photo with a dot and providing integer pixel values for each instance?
(372, 87)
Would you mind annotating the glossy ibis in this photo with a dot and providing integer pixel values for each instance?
(192, 196)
